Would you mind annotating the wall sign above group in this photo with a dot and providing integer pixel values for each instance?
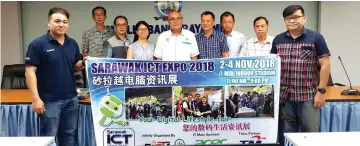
(163, 8)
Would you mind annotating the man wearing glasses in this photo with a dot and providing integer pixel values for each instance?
(94, 38)
(176, 44)
(117, 45)
(301, 51)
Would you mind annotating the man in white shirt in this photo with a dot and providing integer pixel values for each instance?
(234, 39)
(261, 44)
(176, 44)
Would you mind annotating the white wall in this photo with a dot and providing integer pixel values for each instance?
(339, 23)
(11, 37)
(34, 15)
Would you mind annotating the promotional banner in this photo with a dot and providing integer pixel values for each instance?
(198, 102)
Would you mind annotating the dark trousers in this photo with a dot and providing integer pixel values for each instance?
(297, 117)
(60, 119)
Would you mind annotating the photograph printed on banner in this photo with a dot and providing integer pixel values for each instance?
(250, 101)
(148, 102)
(198, 101)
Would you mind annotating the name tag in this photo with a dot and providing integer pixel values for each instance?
(50, 50)
(187, 43)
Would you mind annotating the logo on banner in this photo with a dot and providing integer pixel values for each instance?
(158, 143)
(111, 108)
(163, 8)
(210, 141)
(179, 142)
(257, 140)
(119, 137)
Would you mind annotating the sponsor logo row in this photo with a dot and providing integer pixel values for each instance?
(126, 137)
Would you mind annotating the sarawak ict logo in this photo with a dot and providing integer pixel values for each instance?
(119, 137)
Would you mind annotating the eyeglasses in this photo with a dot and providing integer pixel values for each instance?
(175, 19)
(294, 17)
(143, 30)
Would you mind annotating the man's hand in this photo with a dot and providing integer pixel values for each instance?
(38, 106)
(84, 60)
(319, 100)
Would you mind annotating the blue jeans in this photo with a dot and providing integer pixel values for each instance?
(298, 117)
(301, 116)
(60, 119)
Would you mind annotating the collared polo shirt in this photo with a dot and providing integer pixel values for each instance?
(235, 41)
(55, 66)
(212, 47)
(252, 47)
(299, 61)
(176, 48)
(116, 48)
(93, 41)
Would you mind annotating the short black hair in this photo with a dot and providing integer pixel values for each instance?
(259, 18)
(208, 13)
(197, 95)
(58, 10)
(226, 14)
(98, 7)
(120, 16)
(291, 9)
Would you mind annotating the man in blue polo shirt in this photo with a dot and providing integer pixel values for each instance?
(301, 51)
(51, 60)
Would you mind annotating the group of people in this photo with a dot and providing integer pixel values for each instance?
(176, 44)
(52, 58)
(258, 102)
(135, 111)
(196, 107)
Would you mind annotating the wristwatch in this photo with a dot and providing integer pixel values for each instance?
(322, 90)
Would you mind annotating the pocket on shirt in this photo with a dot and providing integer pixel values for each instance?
(306, 52)
(185, 47)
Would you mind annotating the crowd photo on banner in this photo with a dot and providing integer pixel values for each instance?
(248, 101)
(148, 102)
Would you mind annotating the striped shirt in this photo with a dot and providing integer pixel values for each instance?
(93, 41)
(299, 58)
(141, 53)
(253, 47)
(212, 47)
